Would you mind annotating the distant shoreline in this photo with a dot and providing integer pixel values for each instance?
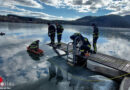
(65, 24)
(113, 21)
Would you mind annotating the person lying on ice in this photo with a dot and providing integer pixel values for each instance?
(84, 45)
(34, 45)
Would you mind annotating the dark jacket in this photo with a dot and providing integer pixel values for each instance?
(84, 40)
(34, 45)
(51, 30)
(85, 45)
(95, 32)
(59, 29)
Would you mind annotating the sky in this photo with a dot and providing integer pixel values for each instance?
(64, 9)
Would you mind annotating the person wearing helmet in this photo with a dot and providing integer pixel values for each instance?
(85, 46)
(95, 37)
(34, 45)
(51, 33)
(60, 30)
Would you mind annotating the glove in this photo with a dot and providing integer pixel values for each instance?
(87, 54)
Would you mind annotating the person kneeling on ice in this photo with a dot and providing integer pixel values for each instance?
(34, 45)
(82, 43)
(34, 49)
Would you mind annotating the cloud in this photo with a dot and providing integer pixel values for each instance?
(116, 6)
(121, 12)
(55, 3)
(11, 7)
(42, 15)
(28, 13)
(12, 3)
(79, 5)
(120, 7)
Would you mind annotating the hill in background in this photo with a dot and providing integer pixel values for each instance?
(103, 21)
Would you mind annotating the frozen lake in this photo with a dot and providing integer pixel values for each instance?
(29, 73)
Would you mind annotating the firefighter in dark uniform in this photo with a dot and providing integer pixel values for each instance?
(34, 45)
(51, 33)
(60, 30)
(85, 46)
(95, 37)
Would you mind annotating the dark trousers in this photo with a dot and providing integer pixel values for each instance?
(59, 38)
(94, 43)
(52, 37)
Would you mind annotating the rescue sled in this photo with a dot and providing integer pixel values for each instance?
(38, 52)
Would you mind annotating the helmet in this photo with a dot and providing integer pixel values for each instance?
(78, 34)
(37, 40)
(75, 35)
(93, 24)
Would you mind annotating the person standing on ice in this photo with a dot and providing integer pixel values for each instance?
(95, 37)
(51, 33)
(60, 30)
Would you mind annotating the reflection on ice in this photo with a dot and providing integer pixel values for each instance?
(78, 80)
(60, 78)
(17, 66)
(116, 47)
